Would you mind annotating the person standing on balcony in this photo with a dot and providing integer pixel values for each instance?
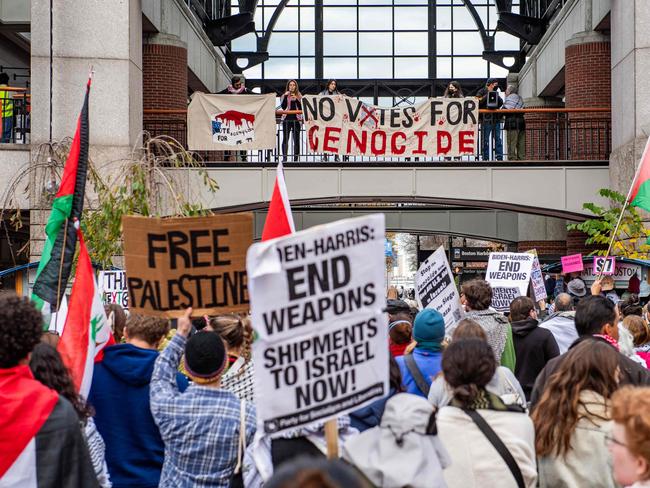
(237, 86)
(6, 109)
(515, 125)
(453, 90)
(291, 100)
(488, 98)
(330, 90)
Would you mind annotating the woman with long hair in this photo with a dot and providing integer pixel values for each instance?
(571, 417)
(291, 100)
(47, 367)
(468, 366)
(453, 90)
(237, 333)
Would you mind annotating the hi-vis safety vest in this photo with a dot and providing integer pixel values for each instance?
(6, 103)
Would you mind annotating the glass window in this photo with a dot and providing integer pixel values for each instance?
(288, 19)
(307, 16)
(339, 18)
(283, 44)
(411, 43)
(470, 67)
(339, 68)
(462, 18)
(375, 18)
(307, 68)
(245, 43)
(307, 44)
(443, 67)
(411, 18)
(375, 68)
(505, 41)
(467, 43)
(375, 43)
(339, 43)
(282, 68)
(443, 43)
(443, 18)
(254, 72)
(411, 68)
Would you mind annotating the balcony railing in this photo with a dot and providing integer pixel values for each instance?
(550, 135)
(14, 115)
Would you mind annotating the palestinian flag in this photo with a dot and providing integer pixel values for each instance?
(56, 261)
(86, 331)
(279, 220)
(640, 194)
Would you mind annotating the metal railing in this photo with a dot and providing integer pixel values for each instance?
(14, 115)
(550, 135)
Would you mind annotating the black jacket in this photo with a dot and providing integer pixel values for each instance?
(534, 347)
(482, 103)
(632, 373)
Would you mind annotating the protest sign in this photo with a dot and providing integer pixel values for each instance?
(197, 262)
(436, 127)
(223, 122)
(317, 301)
(508, 273)
(537, 278)
(113, 288)
(435, 288)
(605, 266)
(572, 263)
(622, 273)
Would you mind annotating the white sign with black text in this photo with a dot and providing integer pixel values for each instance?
(317, 302)
(509, 274)
(113, 288)
(435, 288)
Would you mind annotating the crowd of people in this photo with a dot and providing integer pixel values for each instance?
(547, 396)
(488, 98)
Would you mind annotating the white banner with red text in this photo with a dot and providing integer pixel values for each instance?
(437, 127)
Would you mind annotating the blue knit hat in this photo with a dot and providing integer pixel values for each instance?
(429, 329)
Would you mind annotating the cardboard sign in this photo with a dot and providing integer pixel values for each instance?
(223, 122)
(572, 263)
(436, 127)
(317, 304)
(113, 288)
(537, 278)
(509, 274)
(435, 288)
(197, 262)
(604, 266)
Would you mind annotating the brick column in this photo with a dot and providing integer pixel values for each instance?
(544, 248)
(588, 84)
(575, 243)
(164, 84)
(545, 135)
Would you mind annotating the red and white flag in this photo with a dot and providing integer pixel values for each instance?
(86, 331)
(279, 220)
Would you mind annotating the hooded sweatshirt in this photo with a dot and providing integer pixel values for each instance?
(120, 396)
(534, 347)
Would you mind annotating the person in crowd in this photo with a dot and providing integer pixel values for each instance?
(576, 289)
(6, 109)
(41, 441)
(330, 88)
(534, 346)
(422, 365)
(453, 90)
(476, 297)
(571, 419)
(134, 447)
(237, 86)
(468, 366)
(515, 125)
(291, 100)
(596, 320)
(634, 284)
(607, 289)
(118, 320)
(206, 428)
(404, 449)
(561, 323)
(307, 472)
(631, 305)
(629, 441)
(237, 332)
(400, 330)
(370, 416)
(48, 368)
(503, 383)
(640, 336)
(488, 98)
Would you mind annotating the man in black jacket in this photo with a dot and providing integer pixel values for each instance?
(534, 346)
(488, 98)
(596, 320)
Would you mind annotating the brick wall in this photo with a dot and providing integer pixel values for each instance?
(575, 243)
(588, 84)
(164, 77)
(544, 248)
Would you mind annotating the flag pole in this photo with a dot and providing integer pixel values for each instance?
(625, 204)
(58, 286)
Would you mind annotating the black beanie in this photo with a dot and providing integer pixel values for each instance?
(205, 355)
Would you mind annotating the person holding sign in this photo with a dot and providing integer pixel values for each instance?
(291, 100)
(423, 364)
(476, 297)
(204, 428)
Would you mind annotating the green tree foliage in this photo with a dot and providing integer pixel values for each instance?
(631, 240)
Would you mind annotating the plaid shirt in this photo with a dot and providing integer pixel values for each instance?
(200, 427)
